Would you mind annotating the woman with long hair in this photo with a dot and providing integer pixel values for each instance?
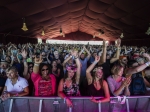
(44, 82)
(69, 85)
(96, 85)
(118, 84)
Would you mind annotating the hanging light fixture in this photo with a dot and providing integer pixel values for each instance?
(100, 32)
(24, 28)
(121, 36)
(43, 32)
(60, 31)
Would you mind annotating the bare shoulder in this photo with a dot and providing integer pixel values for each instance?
(61, 81)
(104, 83)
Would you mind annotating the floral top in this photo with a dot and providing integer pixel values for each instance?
(73, 90)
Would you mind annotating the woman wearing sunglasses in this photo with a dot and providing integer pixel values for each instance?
(44, 82)
(69, 85)
(96, 85)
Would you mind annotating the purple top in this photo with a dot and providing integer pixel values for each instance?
(114, 85)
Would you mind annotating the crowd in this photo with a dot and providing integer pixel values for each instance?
(74, 70)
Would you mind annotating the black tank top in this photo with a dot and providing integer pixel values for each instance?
(92, 91)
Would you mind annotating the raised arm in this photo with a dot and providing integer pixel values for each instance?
(66, 60)
(49, 62)
(78, 72)
(24, 55)
(89, 54)
(37, 62)
(116, 56)
(103, 57)
(139, 68)
(89, 69)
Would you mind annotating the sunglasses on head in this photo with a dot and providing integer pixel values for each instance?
(44, 69)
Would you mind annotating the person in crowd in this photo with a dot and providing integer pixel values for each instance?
(69, 85)
(135, 71)
(15, 85)
(56, 72)
(83, 60)
(118, 84)
(28, 69)
(69, 61)
(96, 85)
(3, 67)
(44, 82)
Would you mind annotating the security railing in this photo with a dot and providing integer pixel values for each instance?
(80, 104)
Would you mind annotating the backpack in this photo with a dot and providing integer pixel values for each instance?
(137, 86)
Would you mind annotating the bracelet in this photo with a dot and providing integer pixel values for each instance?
(36, 64)
(75, 57)
(147, 64)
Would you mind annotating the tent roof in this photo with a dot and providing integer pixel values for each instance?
(88, 16)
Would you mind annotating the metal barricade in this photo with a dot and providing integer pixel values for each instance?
(80, 104)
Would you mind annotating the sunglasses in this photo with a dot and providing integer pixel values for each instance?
(124, 60)
(44, 69)
(30, 66)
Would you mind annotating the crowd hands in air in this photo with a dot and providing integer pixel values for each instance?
(74, 70)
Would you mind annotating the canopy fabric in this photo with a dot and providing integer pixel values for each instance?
(113, 17)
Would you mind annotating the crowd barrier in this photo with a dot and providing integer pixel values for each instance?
(80, 104)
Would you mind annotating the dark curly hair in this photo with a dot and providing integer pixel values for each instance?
(41, 66)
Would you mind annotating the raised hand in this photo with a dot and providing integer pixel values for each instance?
(105, 44)
(118, 42)
(97, 58)
(24, 54)
(38, 60)
(74, 53)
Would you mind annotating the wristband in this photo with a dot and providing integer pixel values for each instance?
(75, 57)
(36, 64)
(71, 56)
(95, 62)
